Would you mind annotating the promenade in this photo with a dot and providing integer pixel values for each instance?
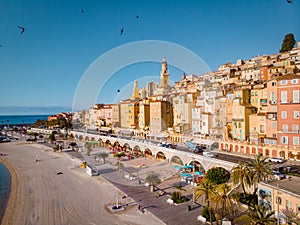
(158, 206)
(55, 190)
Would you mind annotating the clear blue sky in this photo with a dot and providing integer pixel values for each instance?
(42, 66)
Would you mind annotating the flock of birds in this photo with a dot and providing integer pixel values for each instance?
(22, 29)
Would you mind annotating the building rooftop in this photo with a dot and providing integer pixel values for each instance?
(289, 185)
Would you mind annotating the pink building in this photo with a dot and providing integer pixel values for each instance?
(288, 113)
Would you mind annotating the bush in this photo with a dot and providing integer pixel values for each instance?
(178, 198)
(205, 213)
(217, 175)
(247, 199)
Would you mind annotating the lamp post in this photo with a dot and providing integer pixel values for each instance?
(278, 201)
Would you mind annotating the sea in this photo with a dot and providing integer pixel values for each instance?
(20, 119)
(5, 178)
(5, 183)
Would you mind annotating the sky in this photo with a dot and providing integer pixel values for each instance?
(62, 39)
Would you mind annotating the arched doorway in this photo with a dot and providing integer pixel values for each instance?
(92, 138)
(282, 154)
(87, 138)
(247, 150)
(176, 160)
(274, 153)
(267, 153)
(126, 147)
(161, 156)
(236, 148)
(107, 143)
(230, 148)
(253, 150)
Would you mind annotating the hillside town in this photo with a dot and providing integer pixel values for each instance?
(248, 107)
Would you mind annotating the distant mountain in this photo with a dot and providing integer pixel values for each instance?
(24, 110)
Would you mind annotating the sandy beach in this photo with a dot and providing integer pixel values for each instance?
(40, 196)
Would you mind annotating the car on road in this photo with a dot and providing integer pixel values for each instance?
(276, 160)
(278, 175)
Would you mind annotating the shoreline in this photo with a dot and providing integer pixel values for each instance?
(23, 205)
(10, 202)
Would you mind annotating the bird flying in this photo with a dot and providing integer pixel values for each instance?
(82, 10)
(289, 1)
(121, 31)
(118, 90)
(137, 17)
(22, 29)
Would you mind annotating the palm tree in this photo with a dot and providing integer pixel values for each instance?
(291, 215)
(152, 179)
(241, 174)
(224, 198)
(261, 170)
(207, 189)
(52, 138)
(257, 215)
(119, 155)
(103, 155)
(88, 147)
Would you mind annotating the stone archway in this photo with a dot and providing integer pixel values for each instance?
(147, 152)
(160, 155)
(274, 153)
(253, 150)
(198, 166)
(126, 147)
(260, 151)
(230, 148)
(137, 150)
(176, 160)
(107, 143)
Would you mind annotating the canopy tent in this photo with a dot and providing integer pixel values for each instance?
(186, 174)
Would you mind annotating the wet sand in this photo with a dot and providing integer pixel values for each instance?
(40, 196)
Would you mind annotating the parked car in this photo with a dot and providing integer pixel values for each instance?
(276, 160)
(278, 175)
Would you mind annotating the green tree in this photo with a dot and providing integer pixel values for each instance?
(52, 138)
(241, 175)
(217, 175)
(260, 170)
(207, 189)
(152, 179)
(103, 155)
(118, 156)
(224, 198)
(257, 215)
(88, 146)
(288, 43)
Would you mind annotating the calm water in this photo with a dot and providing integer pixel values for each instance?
(4, 188)
(21, 119)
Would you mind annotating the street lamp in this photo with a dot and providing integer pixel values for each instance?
(278, 201)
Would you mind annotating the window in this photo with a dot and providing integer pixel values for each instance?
(295, 81)
(288, 204)
(283, 115)
(283, 97)
(295, 140)
(273, 125)
(262, 129)
(284, 140)
(283, 82)
(273, 83)
(296, 114)
(285, 128)
(295, 128)
(295, 96)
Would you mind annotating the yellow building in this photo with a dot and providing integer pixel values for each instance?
(161, 116)
(144, 114)
(240, 116)
(129, 114)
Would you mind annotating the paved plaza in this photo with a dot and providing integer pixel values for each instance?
(136, 189)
